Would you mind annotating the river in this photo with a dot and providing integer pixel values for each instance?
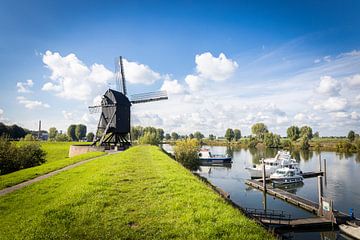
(342, 183)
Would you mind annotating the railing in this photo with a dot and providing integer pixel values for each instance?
(271, 216)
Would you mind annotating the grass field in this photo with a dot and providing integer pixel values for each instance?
(138, 194)
(56, 158)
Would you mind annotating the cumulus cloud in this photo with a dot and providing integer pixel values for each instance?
(2, 118)
(172, 86)
(24, 87)
(354, 81)
(212, 68)
(332, 104)
(32, 104)
(139, 73)
(71, 78)
(329, 86)
(68, 115)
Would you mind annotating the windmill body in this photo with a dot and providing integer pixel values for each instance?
(114, 123)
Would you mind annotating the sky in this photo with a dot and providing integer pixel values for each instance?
(224, 64)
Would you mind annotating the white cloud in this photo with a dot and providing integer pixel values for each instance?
(97, 100)
(139, 73)
(353, 53)
(355, 116)
(354, 81)
(24, 87)
(2, 118)
(215, 68)
(172, 86)
(332, 104)
(340, 115)
(67, 115)
(72, 79)
(32, 104)
(329, 86)
(194, 82)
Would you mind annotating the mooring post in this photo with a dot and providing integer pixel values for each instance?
(325, 168)
(320, 193)
(320, 162)
(264, 177)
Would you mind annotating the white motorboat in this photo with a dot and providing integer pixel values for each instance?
(205, 156)
(281, 160)
(287, 175)
(350, 230)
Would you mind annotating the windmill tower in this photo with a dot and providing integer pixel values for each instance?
(114, 123)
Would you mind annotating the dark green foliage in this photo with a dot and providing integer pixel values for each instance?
(167, 136)
(198, 135)
(13, 158)
(186, 152)
(159, 134)
(306, 131)
(351, 135)
(174, 136)
(13, 131)
(229, 134)
(211, 137)
(191, 136)
(259, 129)
(237, 134)
(316, 135)
(287, 144)
(345, 146)
(90, 137)
(136, 132)
(71, 132)
(29, 137)
(272, 140)
(304, 142)
(293, 133)
(80, 131)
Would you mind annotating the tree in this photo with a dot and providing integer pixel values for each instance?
(71, 132)
(52, 133)
(167, 137)
(293, 133)
(136, 132)
(316, 134)
(160, 134)
(198, 135)
(304, 142)
(259, 129)
(191, 136)
(229, 134)
(17, 132)
(186, 152)
(149, 138)
(90, 137)
(351, 135)
(29, 137)
(174, 136)
(80, 131)
(61, 137)
(306, 131)
(211, 137)
(237, 134)
(272, 140)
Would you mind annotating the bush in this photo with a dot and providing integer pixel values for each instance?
(13, 158)
(149, 138)
(61, 137)
(186, 152)
(29, 137)
(345, 146)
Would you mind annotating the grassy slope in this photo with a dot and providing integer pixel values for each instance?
(137, 194)
(56, 158)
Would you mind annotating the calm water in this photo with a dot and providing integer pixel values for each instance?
(342, 183)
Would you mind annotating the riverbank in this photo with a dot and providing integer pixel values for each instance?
(138, 194)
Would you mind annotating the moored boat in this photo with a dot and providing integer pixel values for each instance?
(205, 156)
(350, 230)
(287, 176)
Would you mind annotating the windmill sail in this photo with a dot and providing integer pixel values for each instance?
(148, 97)
(120, 76)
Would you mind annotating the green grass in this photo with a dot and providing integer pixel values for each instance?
(138, 194)
(20, 176)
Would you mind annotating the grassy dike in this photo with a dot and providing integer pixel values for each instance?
(138, 194)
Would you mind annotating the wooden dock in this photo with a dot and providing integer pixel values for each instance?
(301, 223)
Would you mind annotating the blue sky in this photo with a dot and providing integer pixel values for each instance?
(284, 62)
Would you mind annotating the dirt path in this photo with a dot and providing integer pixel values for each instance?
(37, 179)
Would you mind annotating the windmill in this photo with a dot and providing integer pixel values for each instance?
(114, 123)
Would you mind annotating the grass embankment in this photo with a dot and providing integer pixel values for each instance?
(56, 158)
(138, 194)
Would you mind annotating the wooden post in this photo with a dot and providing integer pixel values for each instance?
(320, 193)
(264, 177)
(320, 162)
(325, 168)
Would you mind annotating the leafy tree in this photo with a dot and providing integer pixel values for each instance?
(174, 136)
(52, 133)
(306, 131)
(71, 132)
(136, 132)
(167, 136)
(29, 137)
(90, 137)
(293, 133)
(259, 129)
(351, 135)
(160, 134)
(316, 135)
(149, 138)
(186, 152)
(304, 142)
(211, 137)
(61, 137)
(229, 134)
(198, 135)
(271, 140)
(80, 131)
(191, 136)
(237, 134)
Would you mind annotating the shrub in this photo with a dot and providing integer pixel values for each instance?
(13, 158)
(29, 137)
(61, 137)
(186, 152)
(149, 138)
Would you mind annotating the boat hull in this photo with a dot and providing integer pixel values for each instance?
(215, 160)
(287, 180)
(350, 230)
